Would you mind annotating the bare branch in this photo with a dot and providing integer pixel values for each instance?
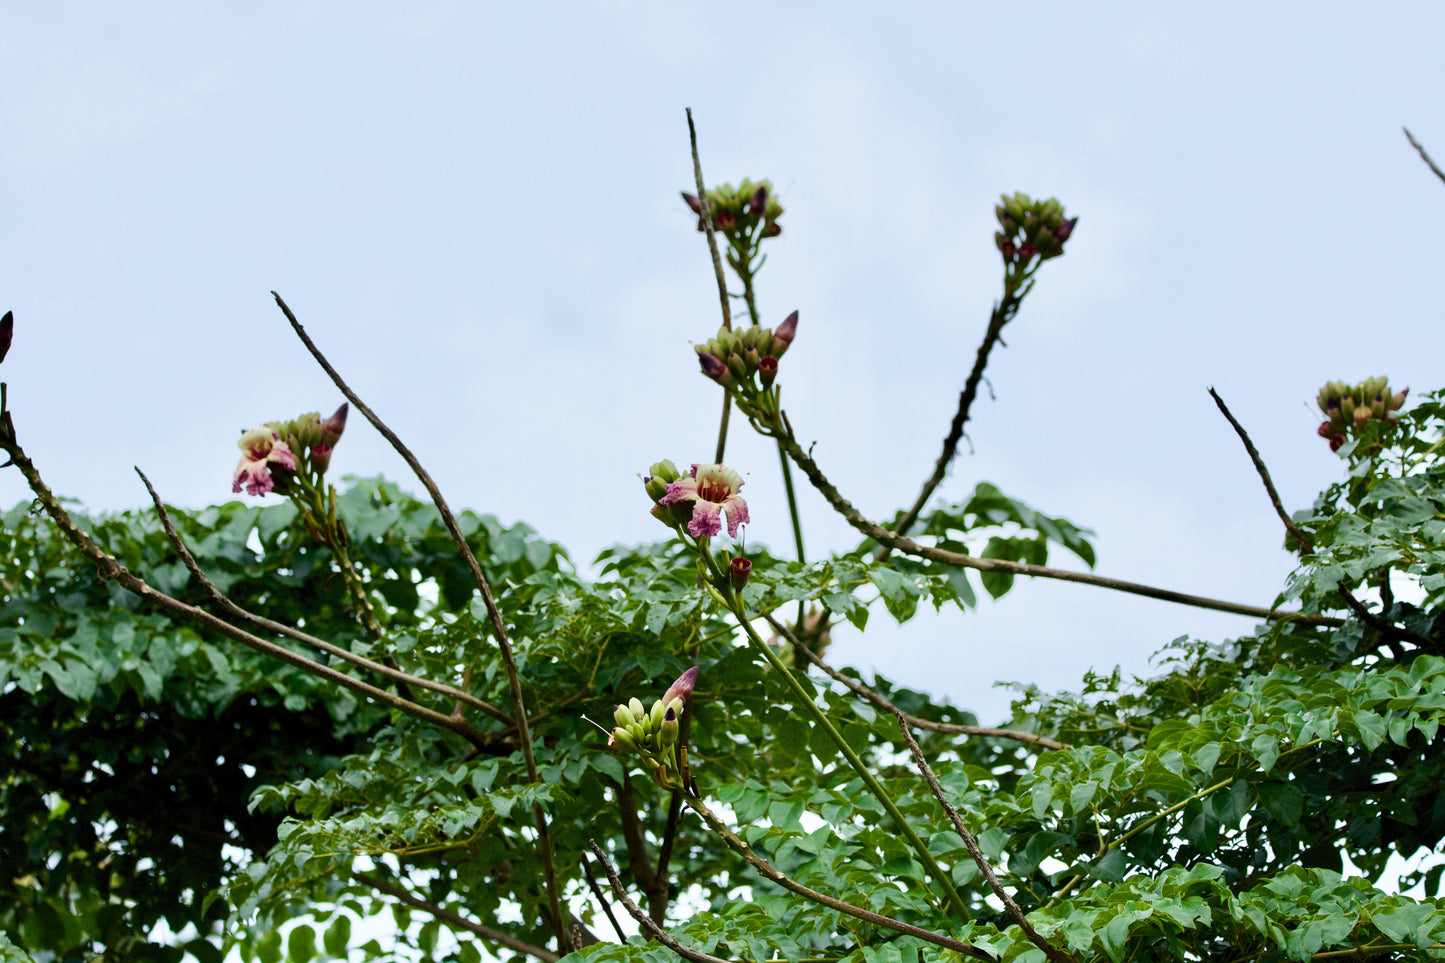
(1424, 156)
(904, 544)
(456, 919)
(769, 871)
(881, 702)
(1375, 622)
(602, 900)
(722, 284)
(643, 920)
(1051, 951)
(290, 632)
(504, 646)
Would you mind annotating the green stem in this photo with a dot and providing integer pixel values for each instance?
(869, 780)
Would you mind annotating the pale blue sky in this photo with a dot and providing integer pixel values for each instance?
(474, 210)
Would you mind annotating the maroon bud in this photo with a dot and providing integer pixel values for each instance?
(714, 368)
(682, 688)
(772, 230)
(1336, 442)
(1008, 249)
(759, 201)
(725, 221)
(321, 457)
(767, 370)
(7, 330)
(693, 203)
(1326, 429)
(740, 570)
(1027, 250)
(1065, 229)
(788, 330)
(332, 427)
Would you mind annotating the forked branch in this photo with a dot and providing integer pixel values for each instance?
(643, 920)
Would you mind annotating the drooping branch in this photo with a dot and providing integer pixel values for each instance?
(880, 701)
(1424, 156)
(705, 210)
(1374, 621)
(907, 545)
(455, 919)
(295, 634)
(969, 841)
(499, 629)
(643, 920)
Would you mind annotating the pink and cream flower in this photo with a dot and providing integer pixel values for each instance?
(261, 450)
(713, 490)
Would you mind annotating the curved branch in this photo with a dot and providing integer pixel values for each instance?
(456, 919)
(504, 645)
(643, 920)
(881, 702)
(904, 544)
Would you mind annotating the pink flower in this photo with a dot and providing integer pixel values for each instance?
(261, 449)
(712, 489)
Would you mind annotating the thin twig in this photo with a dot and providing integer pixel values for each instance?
(769, 871)
(1423, 156)
(904, 544)
(722, 284)
(1374, 621)
(1003, 312)
(1051, 951)
(504, 646)
(290, 632)
(111, 569)
(602, 900)
(643, 920)
(1301, 539)
(882, 702)
(456, 919)
(658, 906)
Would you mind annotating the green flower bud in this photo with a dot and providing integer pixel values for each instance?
(621, 739)
(737, 366)
(623, 716)
(655, 716)
(667, 732)
(638, 712)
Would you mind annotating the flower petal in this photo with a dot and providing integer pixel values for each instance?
(705, 522)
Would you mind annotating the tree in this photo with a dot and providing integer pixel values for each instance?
(252, 724)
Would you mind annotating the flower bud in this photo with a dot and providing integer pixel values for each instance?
(332, 427)
(7, 331)
(634, 705)
(1337, 442)
(693, 203)
(321, 458)
(655, 487)
(622, 715)
(750, 358)
(772, 229)
(621, 739)
(682, 688)
(1395, 402)
(1008, 250)
(654, 717)
(725, 221)
(737, 366)
(667, 730)
(759, 201)
(1363, 415)
(767, 370)
(739, 571)
(1347, 407)
(1326, 429)
(713, 367)
(1026, 251)
(783, 336)
(1065, 229)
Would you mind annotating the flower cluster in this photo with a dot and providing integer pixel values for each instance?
(269, 454)
(654, 735)
(1350, 408)
(1031, 228)
(740, 210)
(698, 500)
(745, 362)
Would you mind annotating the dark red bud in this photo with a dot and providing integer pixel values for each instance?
(1336, 442)
(759, 201)
(7, 330)
(725, 221)
(1008, 249)
(772, 230)
(767, 370)
(693, 203)
(332, 427)
(1326, 429)
(786, 331)
(713, 367)
(740, 571)
(1065, 229)
(1027, 250)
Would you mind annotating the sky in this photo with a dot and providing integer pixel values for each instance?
(474, 210)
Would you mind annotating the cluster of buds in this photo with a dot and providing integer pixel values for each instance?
(655, 735)
(739, 211)
(745, 362)
(1354, 407)
(1031, 228)
(273, 455)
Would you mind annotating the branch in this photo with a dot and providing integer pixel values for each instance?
(602, 900)
(441, 913)
(1003, 312)
(1305, 545)
(904, 544)
(509, 663)
(1423, 156)
(769, 871)
(346, 655)
(110, 569)
(1051, 951)
(880, 701)
(722, 284)
(643, 920)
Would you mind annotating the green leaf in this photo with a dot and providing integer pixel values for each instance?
(1283, 800)
(301, 943)
(338, 935)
